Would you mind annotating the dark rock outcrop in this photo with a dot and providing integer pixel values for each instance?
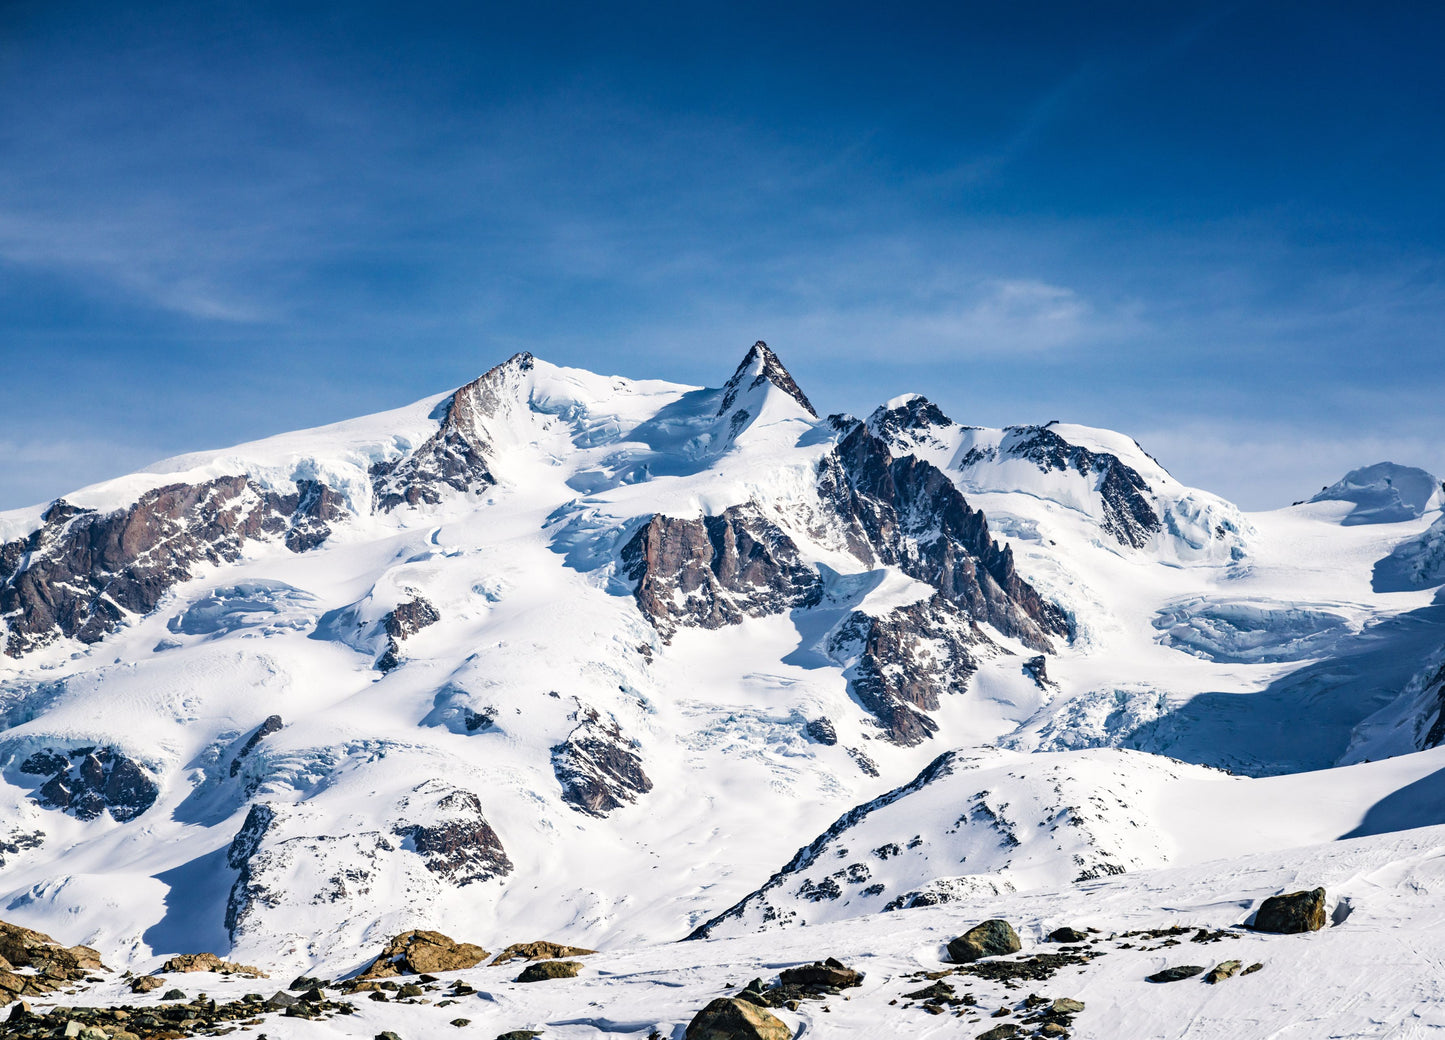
(1177, 974)
(1068, 935)
(768, 370)
(907, 513)
(271, 725)
(992, 938)
(821, 731)
(454, 458)
(81, 573)
(599, 769)
(247, 893)
(1291, 913)
(460, 845)
(401, 623)
(422, 952)
(904, 660)
(716, 570)
(829, 974)
(730, 1019)
(93, 780)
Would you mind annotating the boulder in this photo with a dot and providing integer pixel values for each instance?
(1068, 935)
(519, 1034)
(990, 939)
(1291, 913)
(1177, 974)
(146, 983)
(729, 1019)
(1000, 1032)
(418, 952)
(186, 962)
(821, 975)
(1223, 970)
(541, 950)
(1066, 1006)
(540, 971)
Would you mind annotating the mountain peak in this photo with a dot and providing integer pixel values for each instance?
(761, 365)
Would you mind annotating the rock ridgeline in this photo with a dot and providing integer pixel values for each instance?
(763, 366)
(456, 455)
(400, 624)
(82, 572)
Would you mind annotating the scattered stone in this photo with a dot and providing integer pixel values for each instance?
(387, 1035)
(1066, 1006)
(540, 971)
(1292, 913)
(519, 1034)
(146, 983)
(1068, 935)
(282, 999)
(1176, 974)
(459, 1022)
(1000, 1032)
(1222, 971)
(729, 1019)
(991, 939)
(54, 965)
(307, 982)
(418, 952)
(188, 962)
(1252, 969)
(542, 950)
(1039, 967)
(173, 994)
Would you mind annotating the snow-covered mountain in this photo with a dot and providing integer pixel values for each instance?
(589, 657)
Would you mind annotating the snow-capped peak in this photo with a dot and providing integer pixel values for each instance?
(1385, 493)
(760, 365)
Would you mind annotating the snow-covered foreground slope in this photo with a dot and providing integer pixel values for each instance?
(591, 658)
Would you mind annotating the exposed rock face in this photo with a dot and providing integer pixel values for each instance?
(271, 725)
(903, 660)
(458, 844)
(91, 780)
(405, 621)
(716, 570)
(908, 513)
(760, 365)
(730, 1019)
(248, 893)
(991, 939)
(82, 572)
(1436, 733)
(542, 950)
(542, 971)
(821, 731)
(55, 966)
(423, 952)
(187, 962)
(456, 456)
(598, 768)
(1128, 514)
(1293, 912)
(17, 841)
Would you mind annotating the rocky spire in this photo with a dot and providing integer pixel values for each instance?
(760, 365)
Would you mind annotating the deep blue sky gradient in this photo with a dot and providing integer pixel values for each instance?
(1215, 227)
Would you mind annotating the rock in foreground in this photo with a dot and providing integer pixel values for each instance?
(990, 939)
(1291, 913)
(729, 1019)
(421, 952)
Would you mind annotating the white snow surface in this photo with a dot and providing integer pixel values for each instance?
(1239, 712)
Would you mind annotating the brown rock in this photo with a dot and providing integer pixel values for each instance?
(418, 952)
(1222, 971)
(990, 939)
(188, 962)
(729, 1019)
(541, 971)
(145, 983)
(820, 975)
(541, 950)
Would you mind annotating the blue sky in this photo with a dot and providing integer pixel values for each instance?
(1215, 227)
